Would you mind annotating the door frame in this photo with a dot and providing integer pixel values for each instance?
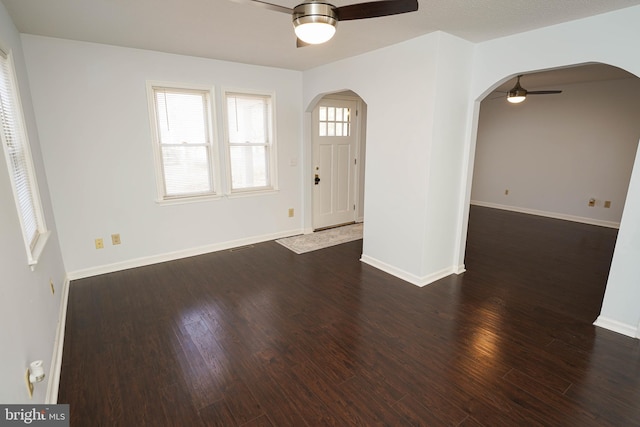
(360, 150)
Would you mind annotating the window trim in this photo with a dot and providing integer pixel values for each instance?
(34, 247)
(272, 158)
(214, 163)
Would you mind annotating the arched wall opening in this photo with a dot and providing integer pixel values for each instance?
(603, 320)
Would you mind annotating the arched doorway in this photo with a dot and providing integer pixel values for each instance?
(338, 145)
(597, 199)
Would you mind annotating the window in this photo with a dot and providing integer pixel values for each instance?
(183, 142)
(250, 142)
(334, 121)
(20, 163)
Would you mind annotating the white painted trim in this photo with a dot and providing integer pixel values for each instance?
(616, 326)
(171, 256)
(266, 191)
(409, 277)
(58, 345)
(212, 146)
(357, 142)
(427, 280)
(555, 215)
(272, 145)
(33, 254)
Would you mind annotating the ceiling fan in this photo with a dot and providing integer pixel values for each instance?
(315, 21)
(518, 94)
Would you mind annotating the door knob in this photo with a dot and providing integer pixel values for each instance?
(317, 179)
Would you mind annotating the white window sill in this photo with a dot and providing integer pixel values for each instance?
(34, 255)
(251, 193)
(185, 200)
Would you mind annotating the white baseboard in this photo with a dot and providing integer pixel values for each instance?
(171, 256)
(616, 326)
(555, 215)
(58, 345)
(409, 277)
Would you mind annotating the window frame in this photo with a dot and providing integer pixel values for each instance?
(271, 145)
(338, 122)
(213, 163)
(35, 244)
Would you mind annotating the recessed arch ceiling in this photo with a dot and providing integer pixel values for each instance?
(225, 30)
(580, 73)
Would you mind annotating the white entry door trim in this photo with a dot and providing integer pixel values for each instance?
(335, 145)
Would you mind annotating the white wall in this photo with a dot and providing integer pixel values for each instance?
(419, 136)
(91, 105)
(607, 38)
(553, 153)
(407, 87)
(28, 310)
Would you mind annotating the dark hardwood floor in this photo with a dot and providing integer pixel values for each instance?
(264, 337)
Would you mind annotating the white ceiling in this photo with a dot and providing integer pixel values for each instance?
(222, 29)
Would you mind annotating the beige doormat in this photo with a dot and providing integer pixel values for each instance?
(322, 239)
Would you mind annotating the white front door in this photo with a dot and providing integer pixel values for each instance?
(334, 162)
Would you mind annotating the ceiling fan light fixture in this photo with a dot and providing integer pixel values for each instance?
(314, 23)
(315, 32)
(517, 94)
(516, 97)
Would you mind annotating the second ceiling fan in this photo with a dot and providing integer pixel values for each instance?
(315, 21)
(518, 94)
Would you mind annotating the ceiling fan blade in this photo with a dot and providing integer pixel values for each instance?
(375, 9)
(265, 5)
(543, 92)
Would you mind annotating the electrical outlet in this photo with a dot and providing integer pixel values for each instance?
(53, 289)
(115, 239)
(506, 192)
(99, 243)
(592, 202)
(607, 204)
(290, 212)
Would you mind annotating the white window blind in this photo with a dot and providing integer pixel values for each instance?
(19, 160)
(183, 140)
(249, 140)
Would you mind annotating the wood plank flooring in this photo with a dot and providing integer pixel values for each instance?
(264, 337)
